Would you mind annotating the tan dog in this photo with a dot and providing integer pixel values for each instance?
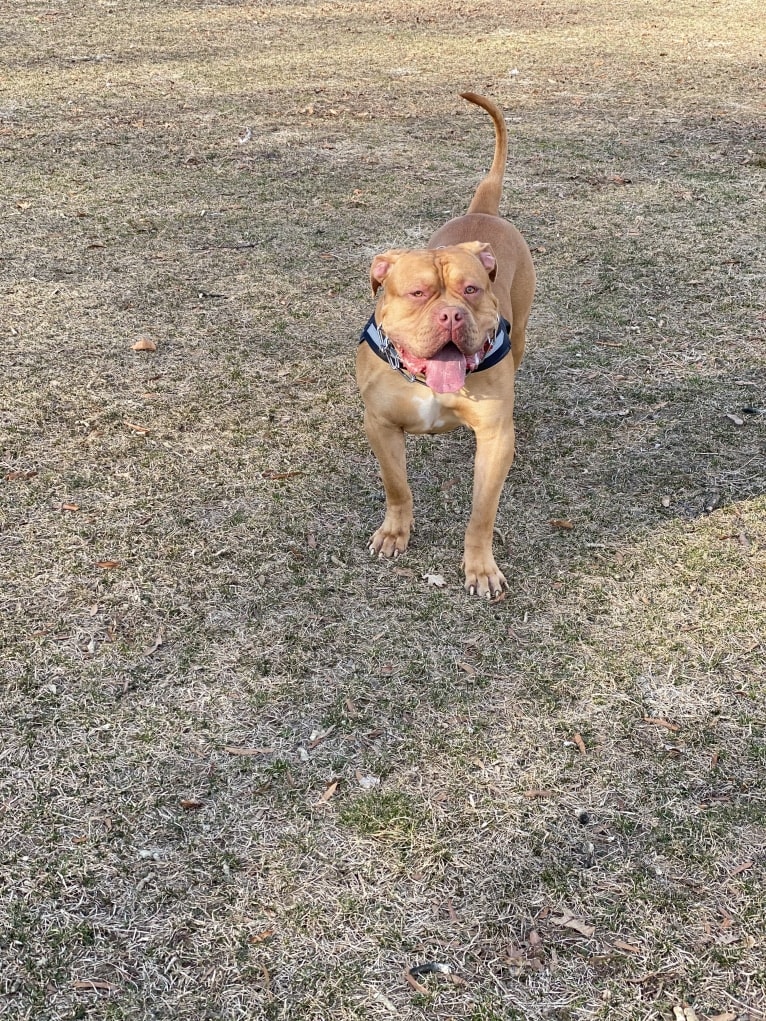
(424, 365)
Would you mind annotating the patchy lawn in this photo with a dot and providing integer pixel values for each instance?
(245, 770)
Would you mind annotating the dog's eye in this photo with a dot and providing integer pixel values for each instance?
(471, 290)
(417, 294)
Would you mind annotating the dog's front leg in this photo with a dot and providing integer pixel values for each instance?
(494, 456)
(387, 442)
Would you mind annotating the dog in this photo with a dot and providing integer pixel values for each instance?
(441, 351)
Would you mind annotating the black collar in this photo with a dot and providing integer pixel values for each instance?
(496, 348)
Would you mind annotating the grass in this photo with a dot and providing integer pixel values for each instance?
(217, 177)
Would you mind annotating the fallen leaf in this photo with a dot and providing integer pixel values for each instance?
(20, 476)
(328, 793)
(467, 668)
(144, 344)
(261, 937)
(70, 507)
(726, 1016)
(456, 980)
(434, 579)
(685, 1014)
(189, 804)
(94, 984)
(563, 524)
(405, 572)
(620, 944)
(660, 721)
(107, 565)
(539, 794)
(280, 475)
(569, 921)
(580, 743)
(134, 427)
(744, 867)
(381, 998)
(736, 419)
(236, 750)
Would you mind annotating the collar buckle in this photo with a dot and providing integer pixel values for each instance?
(392, 356)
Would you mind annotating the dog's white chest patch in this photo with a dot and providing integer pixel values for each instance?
(431, 415)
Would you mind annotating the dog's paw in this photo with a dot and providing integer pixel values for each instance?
(484, 578)
(389, 541)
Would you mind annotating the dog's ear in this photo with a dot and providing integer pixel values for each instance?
(484, 254)
(382, 265)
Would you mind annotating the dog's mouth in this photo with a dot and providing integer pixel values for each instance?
(445, 371)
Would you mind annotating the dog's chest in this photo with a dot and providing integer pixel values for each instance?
(428, 414)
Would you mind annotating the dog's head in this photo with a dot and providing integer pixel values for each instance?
(437, 307)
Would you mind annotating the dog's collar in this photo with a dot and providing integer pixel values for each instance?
(496, 347)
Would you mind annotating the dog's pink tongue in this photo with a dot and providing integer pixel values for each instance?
(445, 372)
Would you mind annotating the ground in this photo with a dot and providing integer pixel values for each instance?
(247, 771)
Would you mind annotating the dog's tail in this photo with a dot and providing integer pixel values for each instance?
(487, 196)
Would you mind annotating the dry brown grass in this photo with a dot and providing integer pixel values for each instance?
(216, 176)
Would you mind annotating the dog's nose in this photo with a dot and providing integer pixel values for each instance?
(451, 316)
